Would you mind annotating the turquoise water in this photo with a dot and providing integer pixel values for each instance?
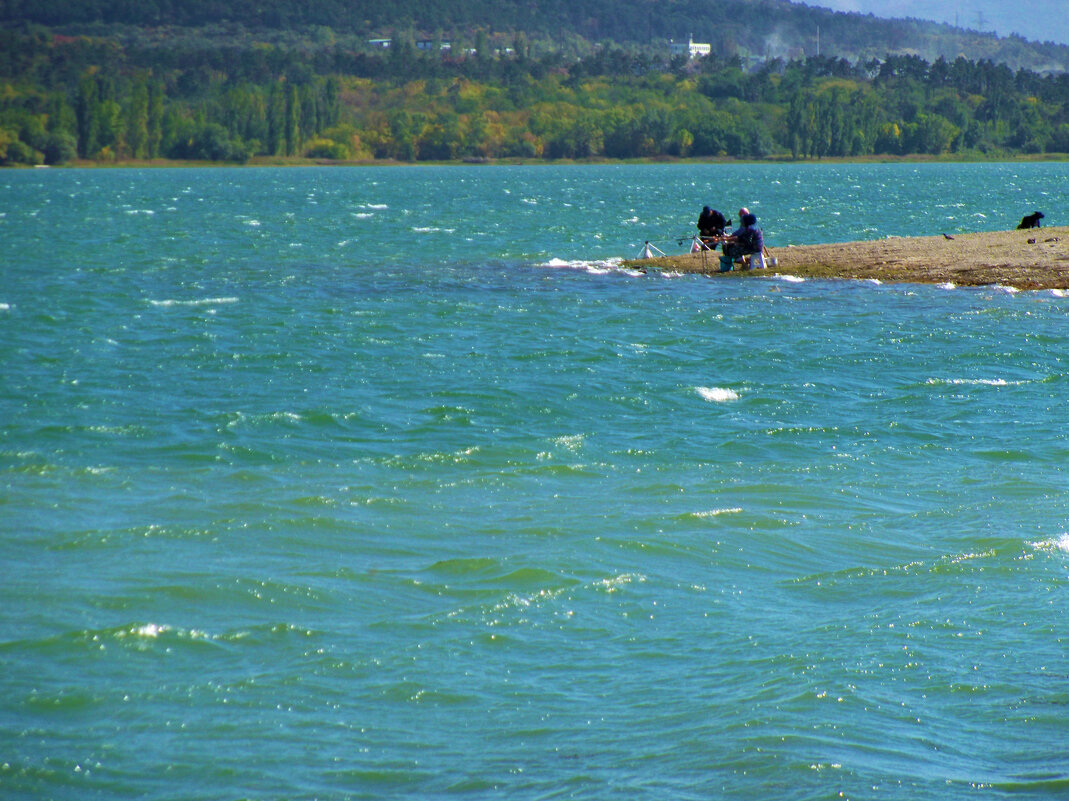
(390, 483)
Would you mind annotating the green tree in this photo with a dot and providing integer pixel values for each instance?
(155, 119)
(276, 120)
(111, 127)
(292, 132)
(88, 116)
(137, 116)
(60, 148)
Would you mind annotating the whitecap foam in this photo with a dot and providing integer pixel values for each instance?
(594, 267)
(734, 510)
(948, 285)
(1059, 293)
(717, 394)
(200, 302)
(5, 307)
(241, 418)
(791, 279)
(1061, 543)
(363, 215)
(984, 382)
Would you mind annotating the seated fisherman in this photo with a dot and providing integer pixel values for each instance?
(746, 240)
(711, 224)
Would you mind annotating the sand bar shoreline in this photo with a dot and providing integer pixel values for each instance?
(1037, 258)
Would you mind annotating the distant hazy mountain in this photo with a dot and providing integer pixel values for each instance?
(1037, 20)
(754, 28)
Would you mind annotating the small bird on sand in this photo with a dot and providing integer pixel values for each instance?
(947, 236)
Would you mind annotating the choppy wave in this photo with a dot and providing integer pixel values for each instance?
(983, 382)
(717, 394)
(140, 635)
(733, 510)
(196, 302)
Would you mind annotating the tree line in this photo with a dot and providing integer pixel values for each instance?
(314, 95)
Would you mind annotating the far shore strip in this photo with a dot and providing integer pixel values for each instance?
(1036, 258)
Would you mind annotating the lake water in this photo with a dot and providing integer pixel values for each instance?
(390, 483)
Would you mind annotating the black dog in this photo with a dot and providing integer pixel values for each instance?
(1031, 221)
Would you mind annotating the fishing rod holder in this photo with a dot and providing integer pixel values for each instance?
(650, 251)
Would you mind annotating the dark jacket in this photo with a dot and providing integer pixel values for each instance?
(711, 222)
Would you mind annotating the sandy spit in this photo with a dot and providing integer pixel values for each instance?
(1032, 259)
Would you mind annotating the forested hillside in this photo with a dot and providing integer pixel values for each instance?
(103, 81)
(760, 28)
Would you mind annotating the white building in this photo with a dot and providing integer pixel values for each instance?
(691, 49)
